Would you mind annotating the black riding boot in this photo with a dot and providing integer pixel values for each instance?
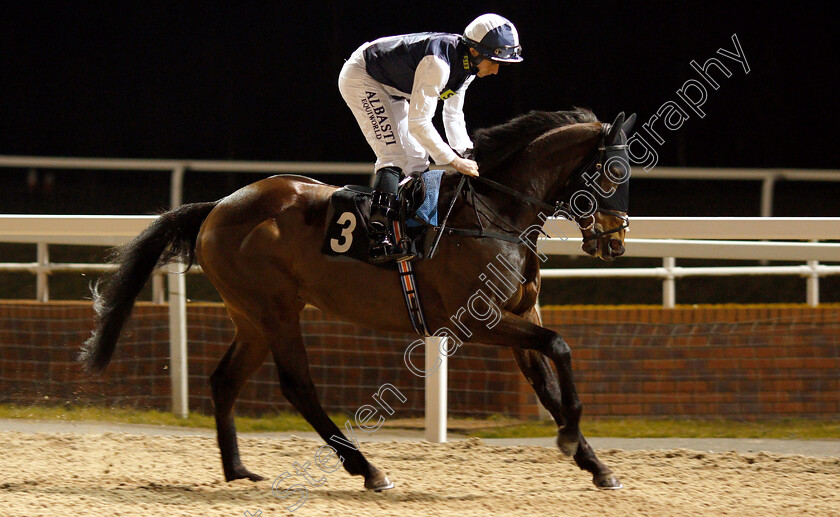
(384, 211)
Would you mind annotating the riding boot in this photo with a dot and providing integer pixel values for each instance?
(384, 213)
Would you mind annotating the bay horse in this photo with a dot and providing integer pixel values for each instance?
(261, 249)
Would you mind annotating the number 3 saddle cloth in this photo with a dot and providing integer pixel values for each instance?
(346, 232)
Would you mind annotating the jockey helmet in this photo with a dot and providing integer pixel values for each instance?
(495, 38)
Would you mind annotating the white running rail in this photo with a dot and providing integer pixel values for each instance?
(656, 239)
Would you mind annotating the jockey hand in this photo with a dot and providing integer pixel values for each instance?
(464, 166)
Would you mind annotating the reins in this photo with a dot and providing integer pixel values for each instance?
(515, 235)
(466, 186)
(515, 193)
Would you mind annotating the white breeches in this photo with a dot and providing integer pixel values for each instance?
(383, 119)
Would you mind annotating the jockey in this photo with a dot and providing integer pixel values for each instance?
(392, 86)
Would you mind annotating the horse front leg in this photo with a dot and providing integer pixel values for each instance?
(534, 347)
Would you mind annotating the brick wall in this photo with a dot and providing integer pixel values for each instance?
(349, 364)
(730, 361)
(739, 361)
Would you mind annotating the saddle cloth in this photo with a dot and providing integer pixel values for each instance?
(346, 232)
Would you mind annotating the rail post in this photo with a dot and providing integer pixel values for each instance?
(767, 186)
(178, 340)
(176, 186)
(812, 284)
(669, 287)
(158, 289)
(178, 365)
(436, 407)
(42, 282)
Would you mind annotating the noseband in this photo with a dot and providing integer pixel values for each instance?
(597, 234)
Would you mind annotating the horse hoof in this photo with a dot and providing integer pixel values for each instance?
(607, 482)
(378, 482)
(384, 484)
(243, 473)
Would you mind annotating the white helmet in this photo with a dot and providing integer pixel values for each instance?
(495, 38)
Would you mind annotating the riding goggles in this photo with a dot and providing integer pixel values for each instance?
(506, 52)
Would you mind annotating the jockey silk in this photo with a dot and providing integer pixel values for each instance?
(392, 86)
(392, 61)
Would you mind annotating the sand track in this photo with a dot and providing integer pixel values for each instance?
(132, 475)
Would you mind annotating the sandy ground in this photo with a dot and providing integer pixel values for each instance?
(72, 474)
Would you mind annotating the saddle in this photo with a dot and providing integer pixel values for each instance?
(346, 232)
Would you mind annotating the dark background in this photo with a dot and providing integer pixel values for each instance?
(257, 81)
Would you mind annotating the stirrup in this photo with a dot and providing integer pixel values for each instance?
(383, 249)
(383, 230)
(381, 253)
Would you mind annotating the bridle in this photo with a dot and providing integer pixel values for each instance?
(600, 155)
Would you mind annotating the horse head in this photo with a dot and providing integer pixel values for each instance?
(588, 172)
(578, 169)
(603, 236)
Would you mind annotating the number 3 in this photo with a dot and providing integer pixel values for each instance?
(346, 233)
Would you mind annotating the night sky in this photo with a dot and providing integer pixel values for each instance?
(257, 80)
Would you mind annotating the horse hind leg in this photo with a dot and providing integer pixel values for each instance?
(296, 383)
(240, 361)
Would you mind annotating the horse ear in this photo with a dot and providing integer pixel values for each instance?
(628, 124)
(615, 129)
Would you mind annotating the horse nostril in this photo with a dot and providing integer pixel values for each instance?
(617, 247)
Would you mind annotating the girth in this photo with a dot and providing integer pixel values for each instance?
(408, 283)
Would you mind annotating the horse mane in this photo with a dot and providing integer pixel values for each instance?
(496, 144)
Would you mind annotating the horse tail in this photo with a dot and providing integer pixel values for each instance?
(170, 236)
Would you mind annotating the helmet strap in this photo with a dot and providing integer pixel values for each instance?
(475, 60)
